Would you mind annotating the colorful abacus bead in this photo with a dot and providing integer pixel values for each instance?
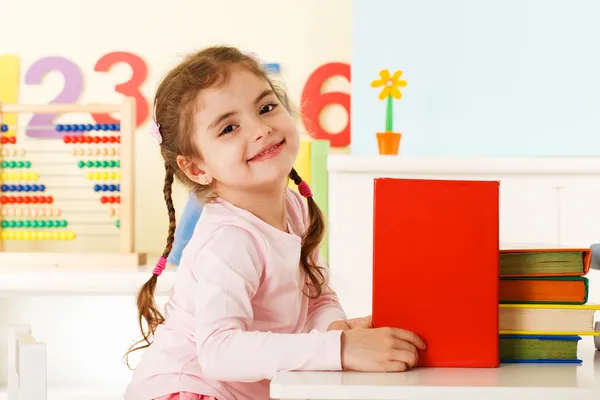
(110, 199)
(106, 151)
(107, 188)
(99, 164)
(16, 164)
(91, 139)
(19, 176)
(35, 223)
(12, 152)
(26, 199)
(8, 140)
(74, 127)
(30, 212)
(29, 235)
(103, 176)
(23, 188)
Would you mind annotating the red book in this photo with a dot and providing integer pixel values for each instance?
(436, 267)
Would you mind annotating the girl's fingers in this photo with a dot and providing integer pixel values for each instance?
(396, 366)
(404, 356)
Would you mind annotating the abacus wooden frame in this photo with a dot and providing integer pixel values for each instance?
(126, 256)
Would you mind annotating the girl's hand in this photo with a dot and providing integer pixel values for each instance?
(380, 349)
(343, 325)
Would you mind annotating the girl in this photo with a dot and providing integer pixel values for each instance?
(251, 294)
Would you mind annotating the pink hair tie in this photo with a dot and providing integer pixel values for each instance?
(304, 189)
(160, 266)
(155, 128)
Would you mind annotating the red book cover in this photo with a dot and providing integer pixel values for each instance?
(436, 267)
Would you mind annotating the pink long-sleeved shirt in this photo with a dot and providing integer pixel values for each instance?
(237, 313)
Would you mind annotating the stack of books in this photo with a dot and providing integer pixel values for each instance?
(543, 304)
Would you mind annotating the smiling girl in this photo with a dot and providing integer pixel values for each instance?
(251, 294)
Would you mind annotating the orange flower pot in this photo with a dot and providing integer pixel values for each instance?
(388, 142)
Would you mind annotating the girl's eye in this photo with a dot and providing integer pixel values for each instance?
(267, 108)
(227, 129)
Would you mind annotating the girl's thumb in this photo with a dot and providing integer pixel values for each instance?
(364, 322)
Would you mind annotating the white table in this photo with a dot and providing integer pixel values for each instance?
(509, 381)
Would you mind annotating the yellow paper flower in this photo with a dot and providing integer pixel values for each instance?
(390, 84)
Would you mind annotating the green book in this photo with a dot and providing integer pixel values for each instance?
(566, 262)
(319, 151)
(538, 349)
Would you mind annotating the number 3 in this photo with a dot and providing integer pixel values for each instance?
(131, 88)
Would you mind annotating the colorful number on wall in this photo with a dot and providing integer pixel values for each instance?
(40, 125)
(314, 102)
(131, 88)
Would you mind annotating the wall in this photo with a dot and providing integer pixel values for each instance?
(492, 78)
(300, 35)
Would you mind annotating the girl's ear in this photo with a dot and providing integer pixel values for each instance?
(191, 169)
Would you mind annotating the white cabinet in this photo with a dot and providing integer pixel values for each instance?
(542, 200)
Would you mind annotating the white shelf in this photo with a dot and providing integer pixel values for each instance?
(77, 394)
(461, 165)
(97, 281)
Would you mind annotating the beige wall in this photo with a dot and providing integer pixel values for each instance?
(299, 34)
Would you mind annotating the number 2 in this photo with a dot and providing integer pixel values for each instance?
(70, 93)
(131, 88)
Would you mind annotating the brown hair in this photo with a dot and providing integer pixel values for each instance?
(175, 104)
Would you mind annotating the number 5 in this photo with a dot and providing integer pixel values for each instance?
(131, 88)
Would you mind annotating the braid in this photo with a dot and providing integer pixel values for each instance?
(311, 239)
(147, 309)
(295, 177)
(168, 190)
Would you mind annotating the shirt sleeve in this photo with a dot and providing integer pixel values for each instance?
(228, 273)
(325, 309)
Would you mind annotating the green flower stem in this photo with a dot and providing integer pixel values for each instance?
(389, 116)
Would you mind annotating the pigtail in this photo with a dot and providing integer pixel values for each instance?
(146, 304)
(312, 237)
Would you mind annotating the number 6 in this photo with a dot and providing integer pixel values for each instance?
(314, 102)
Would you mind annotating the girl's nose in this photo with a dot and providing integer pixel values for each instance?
(260, 131)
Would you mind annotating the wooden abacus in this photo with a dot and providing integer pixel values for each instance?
(43, 224)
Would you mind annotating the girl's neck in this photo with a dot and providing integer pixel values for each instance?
(268, 205)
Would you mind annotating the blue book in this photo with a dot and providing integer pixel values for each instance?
(185, 228)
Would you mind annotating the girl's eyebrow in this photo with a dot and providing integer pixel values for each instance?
(230, 113)
(263, 95)
(221, 118)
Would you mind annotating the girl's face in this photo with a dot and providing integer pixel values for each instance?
(245, 135)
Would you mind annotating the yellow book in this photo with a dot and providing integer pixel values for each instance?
(548, 319)
(302, 164)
